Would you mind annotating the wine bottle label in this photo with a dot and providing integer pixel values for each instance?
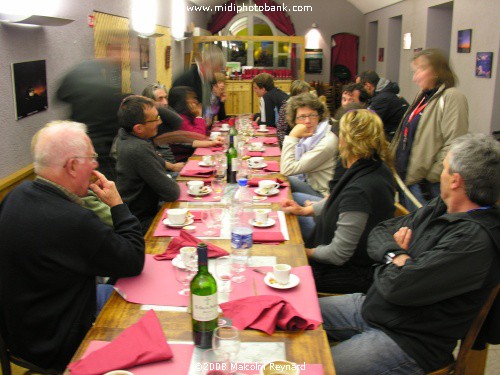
(205, 307)
(234, 164)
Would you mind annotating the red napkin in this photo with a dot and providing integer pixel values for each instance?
(270, 140)
(141, 343)
(186, 239)
(272, 166)
(265, 313)
(268, 237)
(197, 173)
(255, 181)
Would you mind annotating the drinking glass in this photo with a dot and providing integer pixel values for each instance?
(217, 212)
(239, 259)
(215, 362)
(227, 339)
(225, 141)
(207, 219)
(218, 186)
(224, 272)
(184, 273)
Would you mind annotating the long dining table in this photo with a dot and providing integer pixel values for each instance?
(309, 346)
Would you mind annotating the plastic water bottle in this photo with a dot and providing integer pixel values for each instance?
(241, 229)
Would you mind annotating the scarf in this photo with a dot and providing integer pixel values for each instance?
(308, 143)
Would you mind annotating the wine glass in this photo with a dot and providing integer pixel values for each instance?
(227, 339)
(207, 219)
(224, 272)
(217, 212)
(215, 362)
(239, 259)
(225, 142)
(218, 186)
(184, 273)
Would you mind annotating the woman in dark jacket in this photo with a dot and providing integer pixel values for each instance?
(361, 199)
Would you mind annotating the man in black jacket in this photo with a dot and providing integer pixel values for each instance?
(384, 100)
(52, 248)
(436, 269)
(271, 98)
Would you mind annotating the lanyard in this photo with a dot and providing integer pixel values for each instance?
(419, 108)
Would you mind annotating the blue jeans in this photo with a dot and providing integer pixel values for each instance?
(363, 349)
(103, 293)
(306, 223)
(299, 186)
(416, 190)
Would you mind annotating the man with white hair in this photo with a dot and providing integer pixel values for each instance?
(52, 248)
(437, 266)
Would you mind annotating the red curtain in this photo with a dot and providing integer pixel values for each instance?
(221, 19)
(279, 18)
(345, 52)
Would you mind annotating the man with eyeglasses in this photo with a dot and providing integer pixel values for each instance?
(52, 248)
(141, 173)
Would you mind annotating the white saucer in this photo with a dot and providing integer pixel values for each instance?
(262, 131)
(256, 149)
(167, 222)
(272, 192)
(292, 282)
(270, 223)
(203, 164)
(263, 165)
(207, 190)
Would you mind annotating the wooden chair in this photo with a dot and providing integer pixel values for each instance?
(400, 210)
(465, 351)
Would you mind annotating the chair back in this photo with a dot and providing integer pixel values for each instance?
(400, 210)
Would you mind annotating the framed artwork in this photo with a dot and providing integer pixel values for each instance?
(30, 87)
(464, 41)
(167, 57)
(381, 54)
(483, 64)
(314, 60)
(144, 53)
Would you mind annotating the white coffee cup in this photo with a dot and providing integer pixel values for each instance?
(194, 187)
(214, 135)
(256, 145)
(282, 273)
(177, 216)
(207, 159)
(225, 126)
(263, 128)
(187, 253)
(266, 186)
(261, 216)
(256, 161)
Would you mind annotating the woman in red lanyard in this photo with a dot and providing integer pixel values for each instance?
(438, 115)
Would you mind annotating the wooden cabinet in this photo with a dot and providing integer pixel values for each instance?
(241, 98)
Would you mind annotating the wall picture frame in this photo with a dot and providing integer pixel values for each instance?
(380, 54)
(144, 53)
(484, 62)
(464, 41)
(30, 87)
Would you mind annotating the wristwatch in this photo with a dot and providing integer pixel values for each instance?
(390, 255)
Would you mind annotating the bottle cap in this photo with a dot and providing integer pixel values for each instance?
(242, 182)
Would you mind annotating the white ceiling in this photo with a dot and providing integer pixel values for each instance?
(365, 6)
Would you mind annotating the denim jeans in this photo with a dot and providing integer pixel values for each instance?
(299, 186)
(416, 190)
(363, 349)
(306, 223)
(103, 293)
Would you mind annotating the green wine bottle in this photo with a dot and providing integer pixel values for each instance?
(232, 159)
(203, 302)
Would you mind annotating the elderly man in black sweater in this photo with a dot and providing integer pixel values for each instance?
(52, 248)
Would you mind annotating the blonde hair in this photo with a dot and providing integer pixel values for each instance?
(364, 137)
(219, 77)
(299, 87)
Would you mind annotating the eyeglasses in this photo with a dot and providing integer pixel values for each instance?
(158, 118)
(312, 116)
(94, 156)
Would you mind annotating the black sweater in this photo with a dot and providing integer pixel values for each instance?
(51, 249)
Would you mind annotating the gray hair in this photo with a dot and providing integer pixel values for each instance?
(56, 142)
(476, 157)
(150, 90)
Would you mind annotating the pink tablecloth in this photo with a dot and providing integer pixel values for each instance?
(179, 364)
(269, 151)
(202, 151)
(301, 297)
(156, 285)
(163, 230)
(192, 169)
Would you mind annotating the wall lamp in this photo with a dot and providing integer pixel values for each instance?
(35, 20)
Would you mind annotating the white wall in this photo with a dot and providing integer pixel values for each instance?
(481, 17)
(62, 48)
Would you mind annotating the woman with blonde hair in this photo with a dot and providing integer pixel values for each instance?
(361, 199)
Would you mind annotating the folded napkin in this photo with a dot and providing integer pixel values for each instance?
(272, 166)
(197, 173)
(141, 343)
(265, 313)
(186, 239)
(255, 181)
(269, 235)
(265, 140)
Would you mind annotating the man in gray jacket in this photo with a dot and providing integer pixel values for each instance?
(436, 269)
(141, 173)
